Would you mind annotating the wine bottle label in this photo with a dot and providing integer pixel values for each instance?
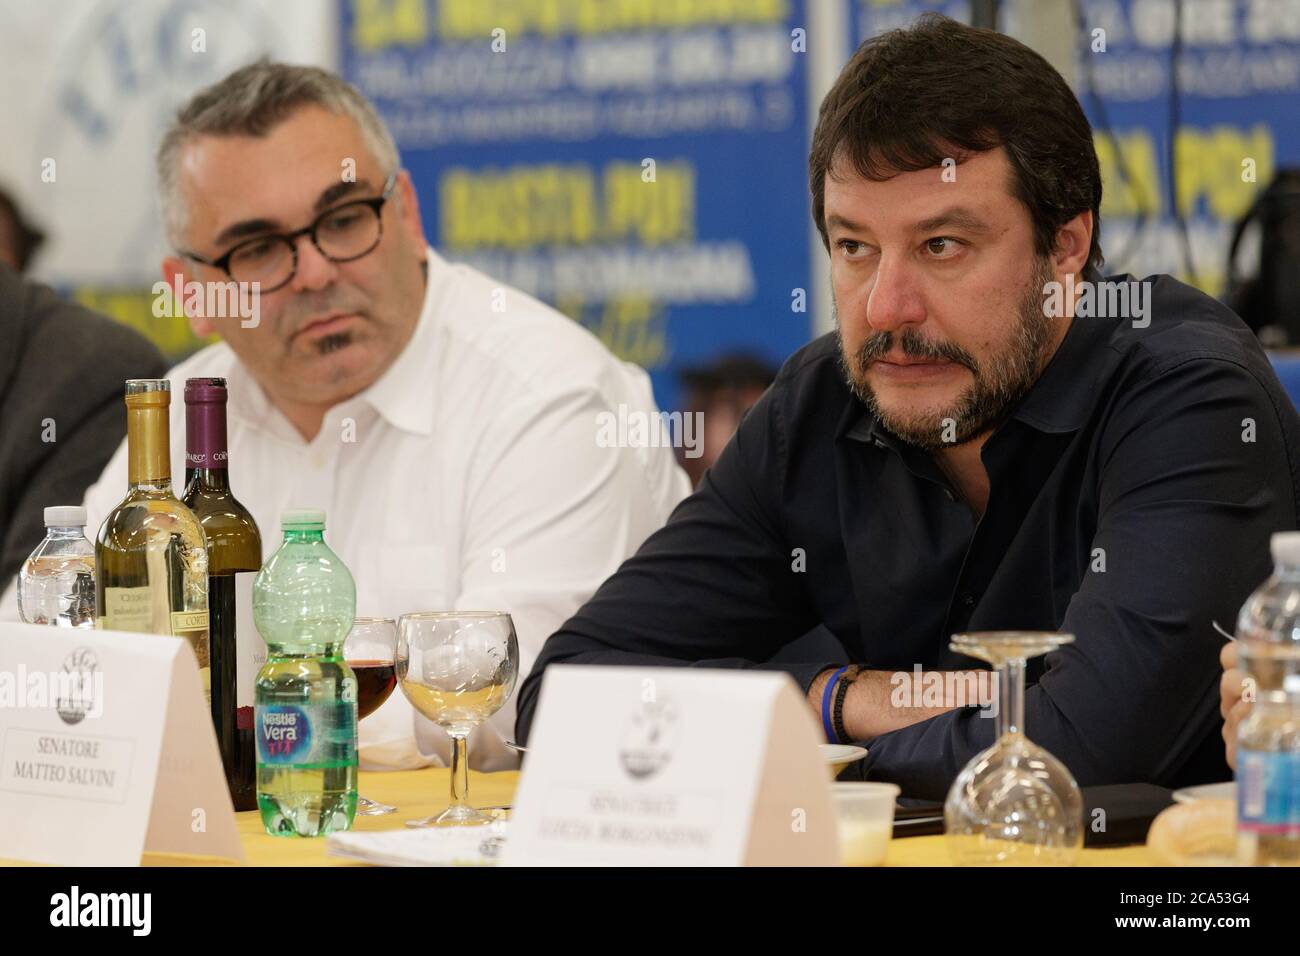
(183, 621)
(144, 611)
(250, 649)
(128, 609)
(193, 627)
(320, 734)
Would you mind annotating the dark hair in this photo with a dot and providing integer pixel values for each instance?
(910, 98)
(732, 372)
(26, 237)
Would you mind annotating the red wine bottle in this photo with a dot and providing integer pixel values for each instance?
(234, 558)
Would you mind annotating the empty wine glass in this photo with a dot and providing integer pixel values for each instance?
(458, 668)
(1013, 804)
(370, 651)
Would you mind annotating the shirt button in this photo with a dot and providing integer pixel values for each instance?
(968, 600)
(949, 495)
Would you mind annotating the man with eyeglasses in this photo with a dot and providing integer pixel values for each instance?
(446, 423)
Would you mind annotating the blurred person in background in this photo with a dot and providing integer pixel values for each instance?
(445, 423)
(1267, 294)
(721, 393)
(19, 239)
(61, 373)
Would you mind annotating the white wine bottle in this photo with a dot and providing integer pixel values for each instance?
(151, 558)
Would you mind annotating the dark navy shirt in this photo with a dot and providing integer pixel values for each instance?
(1132, 493)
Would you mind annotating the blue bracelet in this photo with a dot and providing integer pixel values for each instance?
(831, 735)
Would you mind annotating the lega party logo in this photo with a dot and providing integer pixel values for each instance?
(77, 683)
(647, 742)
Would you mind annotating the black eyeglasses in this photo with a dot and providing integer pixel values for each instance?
(342, 234)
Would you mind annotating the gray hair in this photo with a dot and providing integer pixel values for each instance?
(251, 102)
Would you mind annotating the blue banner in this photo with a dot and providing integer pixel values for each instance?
(1233, 115)
(640, 165)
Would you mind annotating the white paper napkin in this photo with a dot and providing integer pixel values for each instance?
(434, 846)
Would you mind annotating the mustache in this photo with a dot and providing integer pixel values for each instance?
(309, 306)
(914, 345)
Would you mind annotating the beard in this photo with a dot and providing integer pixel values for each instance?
(999, 383)
(332, 343)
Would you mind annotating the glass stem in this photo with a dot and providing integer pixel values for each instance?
(459, 771)
(1011, 697)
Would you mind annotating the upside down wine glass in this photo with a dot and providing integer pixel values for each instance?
(457, 668)
(1013, 804)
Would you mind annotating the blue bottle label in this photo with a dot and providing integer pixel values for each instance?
(283, 734)
(321, 735)
(1268, 791)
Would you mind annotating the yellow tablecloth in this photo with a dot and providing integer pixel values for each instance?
(420, 793)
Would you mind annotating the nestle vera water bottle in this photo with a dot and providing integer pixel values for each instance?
(1268, 740)
(305, 701)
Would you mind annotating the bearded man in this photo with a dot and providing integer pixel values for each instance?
(972, 450)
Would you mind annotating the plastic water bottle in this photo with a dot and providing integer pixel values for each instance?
(1268, 740)
(56, 584)
(305, 701)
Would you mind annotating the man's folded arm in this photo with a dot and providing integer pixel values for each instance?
(1186, 510)
(715, 587)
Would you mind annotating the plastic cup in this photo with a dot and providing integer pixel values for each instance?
(865, 813)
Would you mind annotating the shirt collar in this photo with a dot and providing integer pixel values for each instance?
(403, 395)
(860, 425)
(1063, 397)
(246, 400)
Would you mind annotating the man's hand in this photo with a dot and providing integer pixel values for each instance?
(1233, 708)
(881, 701)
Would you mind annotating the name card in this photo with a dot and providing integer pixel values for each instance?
(107, 750)
(672, 767)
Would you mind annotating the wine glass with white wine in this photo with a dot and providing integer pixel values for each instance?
(457, 668)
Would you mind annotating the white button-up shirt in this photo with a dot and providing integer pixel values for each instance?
(471, 475)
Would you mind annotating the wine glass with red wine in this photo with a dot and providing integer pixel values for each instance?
(369, 651)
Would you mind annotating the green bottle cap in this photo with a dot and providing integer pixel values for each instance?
(302, 518)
